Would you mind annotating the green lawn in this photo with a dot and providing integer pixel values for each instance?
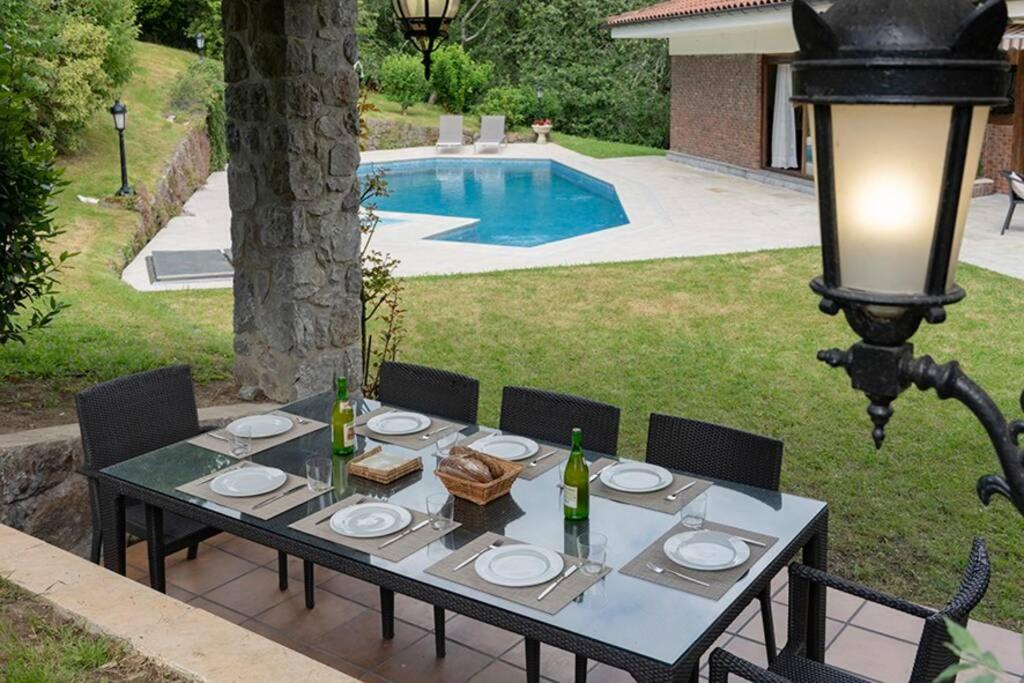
(603, 149)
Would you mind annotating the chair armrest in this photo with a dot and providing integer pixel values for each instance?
(1007, 174)
(724, 663)
(801, 572)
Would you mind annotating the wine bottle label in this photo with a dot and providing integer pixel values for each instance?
(350, 434)
(571, 496)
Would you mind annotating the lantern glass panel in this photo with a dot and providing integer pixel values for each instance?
(979, 122)
(435, 9)
(120, 119)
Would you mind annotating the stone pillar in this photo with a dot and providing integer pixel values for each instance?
(293, 139)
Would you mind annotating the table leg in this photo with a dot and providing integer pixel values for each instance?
(581, 669)
(307, 580)
(112, 519)
(282, 570)
(816, 555)
(532, 661)
(440, 647)
(387, 613)
(155, 546)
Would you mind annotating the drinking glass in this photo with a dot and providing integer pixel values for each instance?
(693, 515)
(240, 441)
(441, 508)
(593, 550)
(319, 475)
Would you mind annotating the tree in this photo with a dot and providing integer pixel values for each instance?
(457, 78)
(28, 181)
(401, 79)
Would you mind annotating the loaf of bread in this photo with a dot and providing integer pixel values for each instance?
(466, 467)
(468, 452)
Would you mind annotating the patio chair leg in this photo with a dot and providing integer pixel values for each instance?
(282, 570)
(439, 638)
(155, 547)
(387, 613)
(193, 552)
(307, 576)
(97, 544)
(1009, 217)
(581, 669)
(532, 661)
(768, 622)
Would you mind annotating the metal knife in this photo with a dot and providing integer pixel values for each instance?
(279, 496)
(405, 533)
(597, 474)
(751, 541)
(554, 584)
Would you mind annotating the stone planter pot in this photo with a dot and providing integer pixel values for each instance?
(542, 133)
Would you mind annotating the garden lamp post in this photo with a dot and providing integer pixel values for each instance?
(425, 23)
(900, 95)
(120, 114)
(200, 43)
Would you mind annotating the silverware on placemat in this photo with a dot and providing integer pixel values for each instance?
(597, 474)
(675, 494)
(496, 544)
(405, 533)
(661, 570)
(751, 541)
(554, 584)
(214, 435)
(541, 457)
(436, 431)
(220, 472)
(279, 496)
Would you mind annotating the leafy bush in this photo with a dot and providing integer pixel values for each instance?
(28, 181)
(200, 89)
(167, 21)
(401, 79)
(208, 22)
(517, 104)
(457, 79)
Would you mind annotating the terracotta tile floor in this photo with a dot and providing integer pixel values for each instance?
(237, 580)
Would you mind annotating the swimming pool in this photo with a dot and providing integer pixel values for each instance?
(515, 202)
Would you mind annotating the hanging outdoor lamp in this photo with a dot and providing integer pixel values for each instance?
(425, 23)
(900, 93)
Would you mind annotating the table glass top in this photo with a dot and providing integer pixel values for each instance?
(622, 611)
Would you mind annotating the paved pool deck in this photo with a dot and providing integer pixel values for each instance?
(674, 210)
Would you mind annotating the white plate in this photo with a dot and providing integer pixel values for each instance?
(260, 426)
(370, 520)
(636, 477)
(248, 481)
(706, 550)
(519, 565)
(506, 446)
(398, 423)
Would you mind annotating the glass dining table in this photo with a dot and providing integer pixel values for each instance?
(656, 633)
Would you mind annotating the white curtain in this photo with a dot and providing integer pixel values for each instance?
(784, 121)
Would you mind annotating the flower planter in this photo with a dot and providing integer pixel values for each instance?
(542, 133)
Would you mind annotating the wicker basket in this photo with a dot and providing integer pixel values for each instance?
(355, 467)
(482, 493)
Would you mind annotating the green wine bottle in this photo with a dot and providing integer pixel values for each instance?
(343, 422)
(576, 486)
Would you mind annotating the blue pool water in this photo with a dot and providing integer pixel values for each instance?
(519, 203)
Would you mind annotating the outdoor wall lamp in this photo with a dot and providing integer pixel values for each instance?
(900, 94)
(425, 23)
(120, 114)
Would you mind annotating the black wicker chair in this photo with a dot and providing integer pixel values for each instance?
(132, 415)
(719, 452)
(932, 658)
(550, 416)
(1012, 179)
(439, 392)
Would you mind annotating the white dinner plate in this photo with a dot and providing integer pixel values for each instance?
(706, 550)
(519, 565)
(506, 446)
(398, 423)
(260, 426)
(248, 481)
(370, 520)
(636, 477)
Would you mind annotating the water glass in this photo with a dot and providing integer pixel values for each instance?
(240, 441)
(693, 515)
(441, 509)
(319, 475)
(593, 551)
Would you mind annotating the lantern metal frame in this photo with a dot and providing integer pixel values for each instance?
(434, 29)
(119, 109)
(926, 52)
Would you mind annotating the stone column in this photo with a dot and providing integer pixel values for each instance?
(293, 139)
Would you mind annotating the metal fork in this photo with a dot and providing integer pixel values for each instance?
(496, 544)
(661, 570)
(220, 472)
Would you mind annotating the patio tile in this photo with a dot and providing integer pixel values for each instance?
(319, 654)
(488, 639)
(253, 593)
(291, 616)
(721, 641)
(136, 556)
(871, 654)
(212, 568)
(358, 640)
(602, 673)
(413, 611)
(780, 584)
(841, 605)
(418, 664)
(753, 630)
(173, 590)
(556, 664)
(1004, 644)
(748, 613)
(320, 574)
(247, 550)
(500, 672)
(218, 610)
(351, 588)
(890, 622)
(748, 650)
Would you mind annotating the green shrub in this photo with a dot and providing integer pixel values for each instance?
(28, 181)
(200, 89)
(167, 21)
(457, 79)
(517, 104)
(208, 22)
(401, 79)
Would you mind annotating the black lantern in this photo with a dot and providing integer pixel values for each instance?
(120, 114)
(900, 94)
(200, 43)
(426, 23)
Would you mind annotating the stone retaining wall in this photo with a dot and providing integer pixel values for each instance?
(390, 134)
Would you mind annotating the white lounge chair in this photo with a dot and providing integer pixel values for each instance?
(450, 134)
(492, 133)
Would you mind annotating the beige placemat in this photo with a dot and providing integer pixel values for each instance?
(412, 441)
(201, 488)
(657, 500)
(720, 582)
(566, 592)
(528, 473)
(316, 525)
(223, 446)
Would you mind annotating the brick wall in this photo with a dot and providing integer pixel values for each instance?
(716, 107)
(996, 154)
